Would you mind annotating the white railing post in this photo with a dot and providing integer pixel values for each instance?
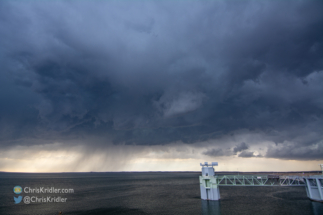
(319, 187)
(309, 189)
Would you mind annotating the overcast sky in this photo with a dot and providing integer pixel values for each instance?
(160, 85)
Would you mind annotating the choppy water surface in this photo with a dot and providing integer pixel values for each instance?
(149, 193)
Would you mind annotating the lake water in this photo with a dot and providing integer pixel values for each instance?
(148, 193)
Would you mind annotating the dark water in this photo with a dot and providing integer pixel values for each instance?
(149, 193)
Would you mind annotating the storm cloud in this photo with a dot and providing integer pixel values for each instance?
(157, 72)
(241, 147)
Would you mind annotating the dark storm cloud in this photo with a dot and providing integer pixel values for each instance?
(297, 152)
(241, 147)
(158, 72)
(248, 154)
(218, 152)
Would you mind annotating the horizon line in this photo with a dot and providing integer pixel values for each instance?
(310, 171)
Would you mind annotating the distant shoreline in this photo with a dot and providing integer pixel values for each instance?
(298, 173)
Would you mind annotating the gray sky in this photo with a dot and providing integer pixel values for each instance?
(160, 80)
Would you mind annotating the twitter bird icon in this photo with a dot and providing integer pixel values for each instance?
(17, 200)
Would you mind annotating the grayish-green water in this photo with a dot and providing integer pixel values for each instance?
(149, 193)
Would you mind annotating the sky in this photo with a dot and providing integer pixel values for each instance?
(161, 85)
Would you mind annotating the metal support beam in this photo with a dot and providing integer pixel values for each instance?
(309, 188)
(319, 187)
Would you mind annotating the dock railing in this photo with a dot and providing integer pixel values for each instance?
(259, 180)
